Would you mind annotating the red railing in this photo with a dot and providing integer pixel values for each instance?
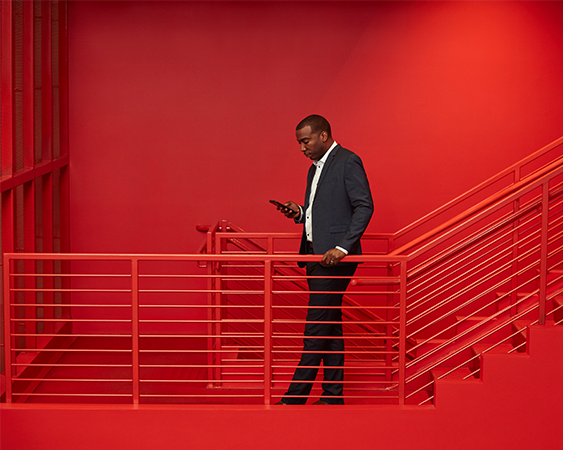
(226, 325)
(141, 328)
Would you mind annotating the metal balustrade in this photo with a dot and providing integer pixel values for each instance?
(225, 325)
(165, 329)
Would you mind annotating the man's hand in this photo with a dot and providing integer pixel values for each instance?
(332, 257)
(291, 210)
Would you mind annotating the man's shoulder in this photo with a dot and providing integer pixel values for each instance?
(344, 153)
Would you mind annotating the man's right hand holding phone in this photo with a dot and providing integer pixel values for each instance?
(289, 209)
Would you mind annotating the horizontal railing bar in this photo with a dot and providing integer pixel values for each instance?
(68, 305)
(230, 306)
(242, 380)
(355, 352)
(122, 291)
(59, 394)
(367, 337)
(200, 291)
(356, 322)
(243, 335)
(71, 350)
(194, 351)
(62, 319)
(200, 366)
(201, 396)
(349, 293)
(227, 277)
(70, 365)
(295, 361)
(201, 321)
(70, 275)
(343, 307)
(71, 335)
(192, 257)
(291, 367)
(88, 380)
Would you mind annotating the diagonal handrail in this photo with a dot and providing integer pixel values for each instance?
(472, 214)
(518, 181)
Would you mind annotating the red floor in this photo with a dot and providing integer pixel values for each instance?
(516, 406)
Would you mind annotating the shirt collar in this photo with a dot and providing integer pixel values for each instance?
(321, 162)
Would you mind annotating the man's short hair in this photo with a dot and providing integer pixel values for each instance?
(317, 123)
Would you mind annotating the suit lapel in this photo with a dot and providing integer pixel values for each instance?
(311, 175)
(327, 165)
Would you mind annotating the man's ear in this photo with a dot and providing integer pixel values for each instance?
(324, 136)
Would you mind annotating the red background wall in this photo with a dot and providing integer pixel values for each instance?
(183, 112)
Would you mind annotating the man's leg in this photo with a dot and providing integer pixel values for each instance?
(314, 348)
(333, 360)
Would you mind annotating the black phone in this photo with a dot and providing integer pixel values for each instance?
(281, 205)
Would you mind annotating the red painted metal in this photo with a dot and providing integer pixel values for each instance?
(46, 83)
(135, 328)
(7, 81)
(543, 255)
(28, 197)
(259, 370)
(28, 85)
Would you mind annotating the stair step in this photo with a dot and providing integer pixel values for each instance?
(464, 323)
(520, 328)
(460, 373)
(423, 346)
(479, 349)
(504, 300)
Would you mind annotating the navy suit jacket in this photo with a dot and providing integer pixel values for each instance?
(342, 207)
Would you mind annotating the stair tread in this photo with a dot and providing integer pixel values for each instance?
(457, 374)
(488, 348)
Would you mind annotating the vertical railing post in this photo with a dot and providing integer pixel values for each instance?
(268, 285)
(515, 250)
(543, 253)
(7, 330)
(403, 333)
(210, 284)
(135, 327)
(218, 313)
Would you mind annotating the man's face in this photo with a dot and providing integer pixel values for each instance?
(313, 145)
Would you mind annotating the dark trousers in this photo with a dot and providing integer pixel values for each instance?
(328, 347)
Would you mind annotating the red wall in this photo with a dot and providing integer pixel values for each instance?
(183, 112)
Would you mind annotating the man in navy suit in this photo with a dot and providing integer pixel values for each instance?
(337, 209)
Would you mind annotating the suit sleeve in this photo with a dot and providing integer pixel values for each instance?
(361, 202)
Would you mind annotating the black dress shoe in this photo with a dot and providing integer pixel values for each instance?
(320, 402)
(281, 403)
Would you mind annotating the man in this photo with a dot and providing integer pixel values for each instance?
(337, 209)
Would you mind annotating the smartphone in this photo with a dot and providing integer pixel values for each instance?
(281, 205)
